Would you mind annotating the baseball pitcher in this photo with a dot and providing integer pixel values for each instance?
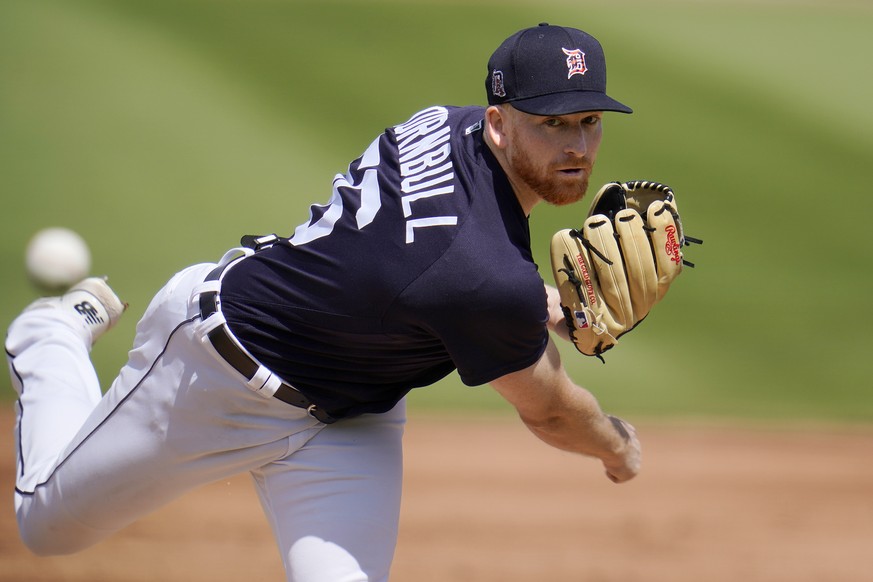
(290, 357)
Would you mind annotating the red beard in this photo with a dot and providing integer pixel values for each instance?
(548, 183)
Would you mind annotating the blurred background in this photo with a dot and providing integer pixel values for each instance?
(163, 130)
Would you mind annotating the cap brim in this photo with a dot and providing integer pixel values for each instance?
(569, 102)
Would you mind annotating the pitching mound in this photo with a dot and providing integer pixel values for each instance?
(485, 501)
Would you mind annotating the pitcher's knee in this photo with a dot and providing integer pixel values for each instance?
(46, 541)
(54, 534)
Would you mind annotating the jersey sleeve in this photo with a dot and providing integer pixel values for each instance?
(491, 323)
(496, 346)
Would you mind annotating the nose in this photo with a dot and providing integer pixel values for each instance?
(577, 146)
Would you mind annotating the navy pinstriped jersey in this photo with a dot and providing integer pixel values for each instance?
(420, 264)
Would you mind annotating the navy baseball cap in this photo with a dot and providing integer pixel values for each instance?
(550, 70)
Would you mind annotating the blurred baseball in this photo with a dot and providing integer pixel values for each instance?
(57, 258)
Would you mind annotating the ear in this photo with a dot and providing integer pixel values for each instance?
(497, 126)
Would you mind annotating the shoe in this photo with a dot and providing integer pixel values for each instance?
(93, 300)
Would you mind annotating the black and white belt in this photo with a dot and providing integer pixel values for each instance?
(258, 377)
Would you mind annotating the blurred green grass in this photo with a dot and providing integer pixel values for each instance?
(163, 130)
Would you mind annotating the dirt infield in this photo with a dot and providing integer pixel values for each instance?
(486, 502)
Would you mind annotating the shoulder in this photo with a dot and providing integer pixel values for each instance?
(438, 124)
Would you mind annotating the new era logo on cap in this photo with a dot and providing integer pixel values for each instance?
(550, 70)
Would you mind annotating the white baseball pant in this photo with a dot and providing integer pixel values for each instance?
(176, 418)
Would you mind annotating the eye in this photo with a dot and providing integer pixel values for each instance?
(591, 120)
(553, 122)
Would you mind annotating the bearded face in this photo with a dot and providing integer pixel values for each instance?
(553, 156)
(554, 186)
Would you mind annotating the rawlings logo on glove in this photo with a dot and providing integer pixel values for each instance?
(612, 271)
